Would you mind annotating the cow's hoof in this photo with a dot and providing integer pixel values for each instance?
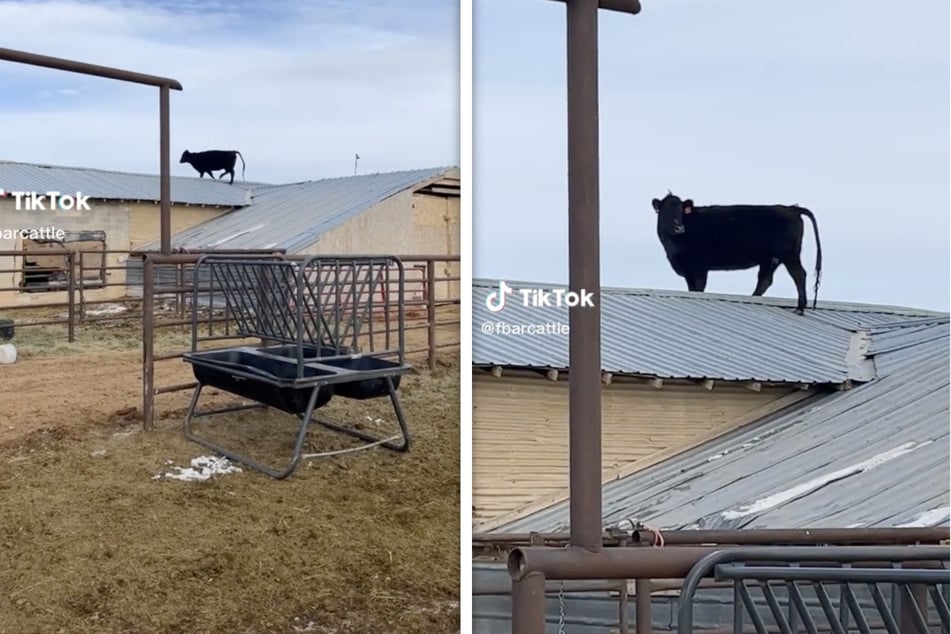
(799, 311)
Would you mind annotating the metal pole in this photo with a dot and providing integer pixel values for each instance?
(912, 610)
(59, 63)
(528, 604)
(71, 292)
(642, 601)
(165, 180)
(431, 312)
(148, 344)
(584, 340)
(742, 536)
(683, 561)
(623, 6)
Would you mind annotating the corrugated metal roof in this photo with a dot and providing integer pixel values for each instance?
(109, 185)
(294, 216)
(876, 455)
(673, 334)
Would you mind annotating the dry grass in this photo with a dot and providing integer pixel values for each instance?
(90, 542)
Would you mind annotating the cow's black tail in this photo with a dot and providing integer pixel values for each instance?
(815, 228)
(242, 163)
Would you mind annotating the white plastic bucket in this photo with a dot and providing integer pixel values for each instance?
(8, 353)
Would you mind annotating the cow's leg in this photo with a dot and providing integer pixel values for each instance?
(697, 281)
(798, 273)
(765, 277)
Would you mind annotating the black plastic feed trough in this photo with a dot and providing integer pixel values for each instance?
(333, 326)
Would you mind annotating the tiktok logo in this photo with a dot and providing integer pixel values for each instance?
(495, 301)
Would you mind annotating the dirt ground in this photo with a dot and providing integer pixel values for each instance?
(94, 539)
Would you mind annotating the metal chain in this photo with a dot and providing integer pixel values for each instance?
(561, 608)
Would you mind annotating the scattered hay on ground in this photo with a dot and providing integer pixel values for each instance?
(90, 541)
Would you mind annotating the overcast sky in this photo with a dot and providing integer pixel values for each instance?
(298, 87)
(841, 107)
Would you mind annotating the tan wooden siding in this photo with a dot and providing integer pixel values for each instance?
(144, 221)
(520, 431)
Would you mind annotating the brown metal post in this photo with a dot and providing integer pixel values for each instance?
(82, 289)
(584, 274)
(911, 611)
(431, 310)
(642, 601)
(148, 349)
(71, 294)
(165, 180)
(623, 6)
(622, 604)
(528, 604)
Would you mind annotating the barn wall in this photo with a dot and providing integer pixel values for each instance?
(107, 216)
(404, 224)
(520, 432)
(144, 221)
(383, 228)
(126, 225)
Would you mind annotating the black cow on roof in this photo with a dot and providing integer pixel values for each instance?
(735, 237)
(213, 160)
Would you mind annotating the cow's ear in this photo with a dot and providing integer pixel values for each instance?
(656, 204)
(688, 206)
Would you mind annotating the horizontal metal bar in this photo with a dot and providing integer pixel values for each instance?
(175, 388)
(624, 6)
(858, 575)
(638, 562)
(58, 63)
(505, 589)
(751, 537)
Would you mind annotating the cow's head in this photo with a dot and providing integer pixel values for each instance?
(185, 156)
(670, 214)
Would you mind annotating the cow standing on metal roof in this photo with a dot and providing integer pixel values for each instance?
(212, 161)
(735, 237)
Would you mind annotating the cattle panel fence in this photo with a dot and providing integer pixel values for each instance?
(113, 289)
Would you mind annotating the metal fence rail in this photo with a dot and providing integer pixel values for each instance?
(751, 582)
(914, 591)
(160, 302)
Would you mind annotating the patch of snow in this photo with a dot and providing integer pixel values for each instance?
(774, 500)
(929, 518)
(203, 468)
(299, 626)
(106, 309)
(102, 309)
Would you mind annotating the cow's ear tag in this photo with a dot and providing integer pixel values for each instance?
(688, 206)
